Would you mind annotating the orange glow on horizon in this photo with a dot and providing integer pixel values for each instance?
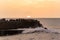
(34, 8)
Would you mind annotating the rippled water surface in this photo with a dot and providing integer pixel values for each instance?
(42, 35)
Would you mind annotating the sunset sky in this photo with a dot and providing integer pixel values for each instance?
(33, 8)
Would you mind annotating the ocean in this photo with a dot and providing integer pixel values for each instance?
(52, 33)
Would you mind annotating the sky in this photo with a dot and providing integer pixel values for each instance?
(32, 8)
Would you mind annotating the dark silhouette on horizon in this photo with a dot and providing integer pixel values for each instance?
(19, 23)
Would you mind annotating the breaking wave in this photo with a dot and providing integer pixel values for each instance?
(49, 30)
(30, 30)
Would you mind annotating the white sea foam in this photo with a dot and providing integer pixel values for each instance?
(49, 30)
(52, 30)
(42, 29)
